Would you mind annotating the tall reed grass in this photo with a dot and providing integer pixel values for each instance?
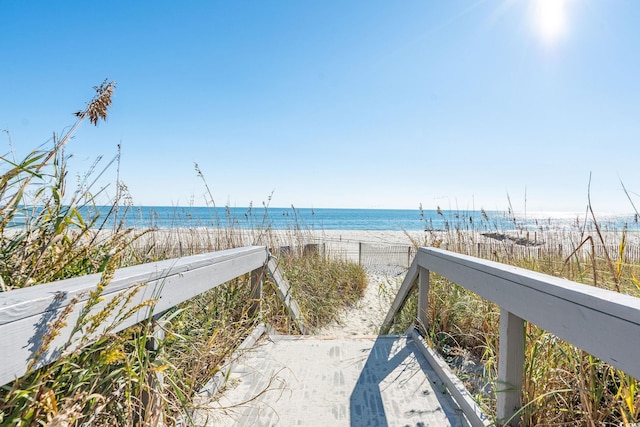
(48, 232)
(563, 385)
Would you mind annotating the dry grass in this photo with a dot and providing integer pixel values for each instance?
(323, 286)
(105, 378)
(563, 386)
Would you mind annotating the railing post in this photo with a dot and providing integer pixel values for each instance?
(510, 367)
(256, 291)
(423, 299)
(150, 412)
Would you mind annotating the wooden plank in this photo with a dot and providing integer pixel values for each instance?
(363, 381)
(149, 409)
(401, 297)
(624, 306)
(596, 320)
(284, 291)
(20, 303)
(26, 312)
(510, 368)
(256, 291)
(423, 299)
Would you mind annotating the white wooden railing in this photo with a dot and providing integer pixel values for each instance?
(605, 324)
(26, 313)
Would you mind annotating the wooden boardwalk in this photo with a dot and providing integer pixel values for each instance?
(377, 381)
(327, 381)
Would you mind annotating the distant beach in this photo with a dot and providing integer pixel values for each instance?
(356, 234)
(386, 246)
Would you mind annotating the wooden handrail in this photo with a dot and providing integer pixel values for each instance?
(601, 322)
(25, 313)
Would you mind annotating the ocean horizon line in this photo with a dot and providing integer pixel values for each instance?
(551, 213)
(263, 217)
(356, 218)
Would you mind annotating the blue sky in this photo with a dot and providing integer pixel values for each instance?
(362, 104)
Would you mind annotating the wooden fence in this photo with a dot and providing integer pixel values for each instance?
(598, 321)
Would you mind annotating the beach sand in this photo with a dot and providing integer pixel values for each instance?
(369, 247)
(367, 315)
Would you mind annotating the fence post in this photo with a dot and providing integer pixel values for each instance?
(510, 367)
(423, 299)
(359, 253)
(256, 291)
(409, 257)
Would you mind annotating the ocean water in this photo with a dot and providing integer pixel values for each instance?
(354, 219)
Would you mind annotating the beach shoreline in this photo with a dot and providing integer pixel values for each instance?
(350, 243)
(388, 247)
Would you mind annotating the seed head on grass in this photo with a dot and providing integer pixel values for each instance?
(99, 105)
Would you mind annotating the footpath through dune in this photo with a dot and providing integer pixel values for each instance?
(367, 315)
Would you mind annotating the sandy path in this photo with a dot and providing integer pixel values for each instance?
(366, 317)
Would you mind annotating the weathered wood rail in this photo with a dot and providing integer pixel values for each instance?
(26, 313)
(603, 323)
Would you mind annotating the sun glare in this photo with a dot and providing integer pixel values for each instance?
(550, 19)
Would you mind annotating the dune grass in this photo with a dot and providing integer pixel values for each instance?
(563, 385)
(48, 233)
(320, 282)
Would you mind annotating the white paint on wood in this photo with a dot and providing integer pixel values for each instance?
(596, 320)
(256, 291)
(284, 291)
(423, 298)
(21, 303)
(457, 389)
(510, 368)
(401, 297)
(25, 313)
(150, 409)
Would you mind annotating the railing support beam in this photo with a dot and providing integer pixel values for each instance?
(283, 288)
(256, 291)
(510, 367)
(150, 411)
(423, 299)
